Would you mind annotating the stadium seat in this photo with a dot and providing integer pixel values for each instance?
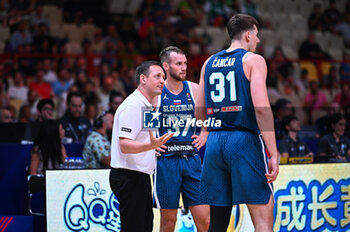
(53, 14)
(336, 42)
(325, 66)
(118, 7)
(275, 7)
(281, 22)
(266, 15)
(133, 6)
(336, 54)
(88, 31)
(289, 6)
(289, 52)
(73, 48)
(2, 46)
(266, 34)
(321, 2)
(311, 68)
(219, 37)
(4, 34)
(299, 22)
(57, 30)
(17, 103)
(72, 32)
(303, 9)
(269, 40)
(263, 7)
(198, 30)
(299, 36)
(322, 40)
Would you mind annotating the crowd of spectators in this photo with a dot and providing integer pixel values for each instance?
(99, 62)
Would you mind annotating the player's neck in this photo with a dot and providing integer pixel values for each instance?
(235, 45)
(174, 86)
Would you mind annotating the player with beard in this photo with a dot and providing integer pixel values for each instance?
(178, 168)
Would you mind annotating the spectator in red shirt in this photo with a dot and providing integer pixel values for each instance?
(42, 88)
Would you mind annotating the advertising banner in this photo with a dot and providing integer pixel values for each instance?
(309, 197)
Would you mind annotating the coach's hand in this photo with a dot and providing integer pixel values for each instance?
(157, 142)
(273, 169)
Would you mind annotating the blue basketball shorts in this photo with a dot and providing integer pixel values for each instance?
(175, 175)
(234, 168)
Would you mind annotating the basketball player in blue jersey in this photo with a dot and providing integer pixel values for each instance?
(178, 169)
(236, 169)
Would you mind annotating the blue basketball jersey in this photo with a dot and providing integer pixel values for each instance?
(177, 116)
(227, 92)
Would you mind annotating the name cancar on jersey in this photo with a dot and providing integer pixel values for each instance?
(227, 62)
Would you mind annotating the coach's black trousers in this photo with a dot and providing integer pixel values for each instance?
(133, 191)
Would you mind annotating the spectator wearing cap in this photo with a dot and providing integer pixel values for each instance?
(291, 145)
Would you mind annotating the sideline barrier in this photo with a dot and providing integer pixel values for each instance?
(313, 197)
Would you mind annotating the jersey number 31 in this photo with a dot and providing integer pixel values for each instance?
(219, 94)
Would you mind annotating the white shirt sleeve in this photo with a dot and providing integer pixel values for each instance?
(130, 123)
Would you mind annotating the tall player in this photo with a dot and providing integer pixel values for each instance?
(179, 167)
(236, 169)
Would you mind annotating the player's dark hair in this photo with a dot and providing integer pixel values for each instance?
(144, 69)
(73, 94)
(165, 53)
(240, 23)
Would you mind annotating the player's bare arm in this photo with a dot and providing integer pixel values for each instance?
(256, 70)
(198, 91)
(198, 140)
